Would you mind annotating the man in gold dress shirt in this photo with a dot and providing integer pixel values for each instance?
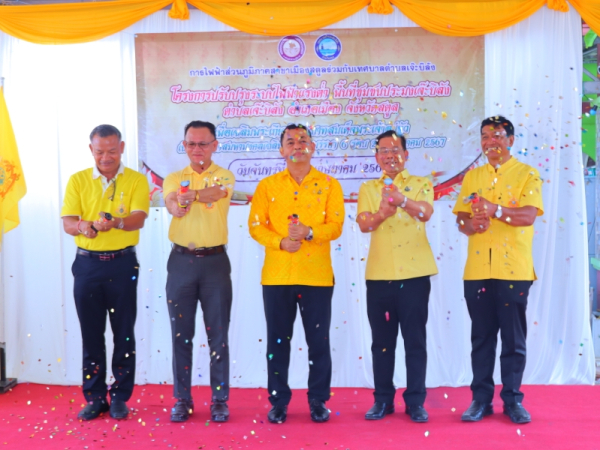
(496, 209)
(394, 209)
(198, 268)
(295, 214)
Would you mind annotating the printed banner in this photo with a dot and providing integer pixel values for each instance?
(347, 86)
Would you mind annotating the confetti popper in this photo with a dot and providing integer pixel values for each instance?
(474, 198)
(184, 187)
(388, 187)
(294, 220)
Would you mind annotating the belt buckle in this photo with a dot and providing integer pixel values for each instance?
(197, 252)
(105, 257)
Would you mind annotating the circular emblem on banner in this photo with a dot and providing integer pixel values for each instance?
(328, 47)
(291, 48)
(181, 148)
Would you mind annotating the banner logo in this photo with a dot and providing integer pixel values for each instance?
(328, 47)
(291, 48)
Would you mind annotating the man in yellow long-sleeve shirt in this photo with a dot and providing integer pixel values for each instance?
(295, 214)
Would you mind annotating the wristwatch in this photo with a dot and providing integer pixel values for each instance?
(309, 236)
(498, 212)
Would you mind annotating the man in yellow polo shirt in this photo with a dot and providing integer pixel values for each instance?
(295, 214)
(104, 208)
(198, 267)
(394, 209)
(496, 209)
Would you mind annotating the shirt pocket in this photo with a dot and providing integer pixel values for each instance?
(121, 205)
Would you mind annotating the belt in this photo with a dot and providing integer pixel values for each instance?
(106, 256)
(199, 252)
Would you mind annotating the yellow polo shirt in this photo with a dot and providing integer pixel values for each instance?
(86, 196)
(206, 223)
(319, 203)
(503, 252)
(399, 247)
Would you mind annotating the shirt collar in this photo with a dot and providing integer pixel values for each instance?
(312, 173)
(96, 173)
(511, 162)
(401, 176)
(189, 169)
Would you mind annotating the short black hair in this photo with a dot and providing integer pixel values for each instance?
(391, 133)
(294, 126)
(200, 124)
(499, 120)
(105, 131)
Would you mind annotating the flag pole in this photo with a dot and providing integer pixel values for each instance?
(6, 384)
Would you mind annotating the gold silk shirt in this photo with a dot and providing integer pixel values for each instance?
(319, 203)
(399, 247)
(504, 251)
(205, 225)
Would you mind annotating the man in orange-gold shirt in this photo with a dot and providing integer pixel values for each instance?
(295, 214)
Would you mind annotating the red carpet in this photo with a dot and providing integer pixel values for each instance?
(37, 416)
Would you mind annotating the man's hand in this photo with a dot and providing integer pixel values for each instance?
(392, 192)
(86, 229)
(480, 222)
(186, 198)
(485, 207)
(177, 211)
(386, 209)
(290, 246)
(297, 232)
(103, 226)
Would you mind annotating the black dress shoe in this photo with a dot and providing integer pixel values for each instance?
(219, 411)
(517, 413)
(379, 410)
(182, 410)
(417, 413)
(477, 411)
(118, 409)
(318, 411)
(278, 414)
(93, 409)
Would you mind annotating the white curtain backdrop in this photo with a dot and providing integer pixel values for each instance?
(57, 94)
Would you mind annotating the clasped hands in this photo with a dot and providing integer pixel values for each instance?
(391, 197)
(85, 227)
(296, 234)
(482, 212)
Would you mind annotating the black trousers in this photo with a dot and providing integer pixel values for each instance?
(280, 311)
(103, 287)
(403, 302)
(206, 279)
(497, 305)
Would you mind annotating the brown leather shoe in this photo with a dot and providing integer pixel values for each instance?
(182, 410)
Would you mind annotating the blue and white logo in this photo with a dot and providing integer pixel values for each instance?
(328, 47)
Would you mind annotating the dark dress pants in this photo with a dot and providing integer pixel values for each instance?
(103, 287)
(497, 305)
(403, 302)
(281, 303)
(206, 279)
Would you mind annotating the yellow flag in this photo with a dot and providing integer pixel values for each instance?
(12, 181)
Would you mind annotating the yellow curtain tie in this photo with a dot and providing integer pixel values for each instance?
(380, 7)
(558, 5)
(179, 10)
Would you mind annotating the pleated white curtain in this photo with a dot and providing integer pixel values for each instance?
(57, 94)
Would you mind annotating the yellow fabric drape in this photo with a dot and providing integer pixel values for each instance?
(71, 23)
(279, 18)
(467, 18)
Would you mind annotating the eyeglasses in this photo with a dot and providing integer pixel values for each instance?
(389, 151)
(202, 145)
(114, 189)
